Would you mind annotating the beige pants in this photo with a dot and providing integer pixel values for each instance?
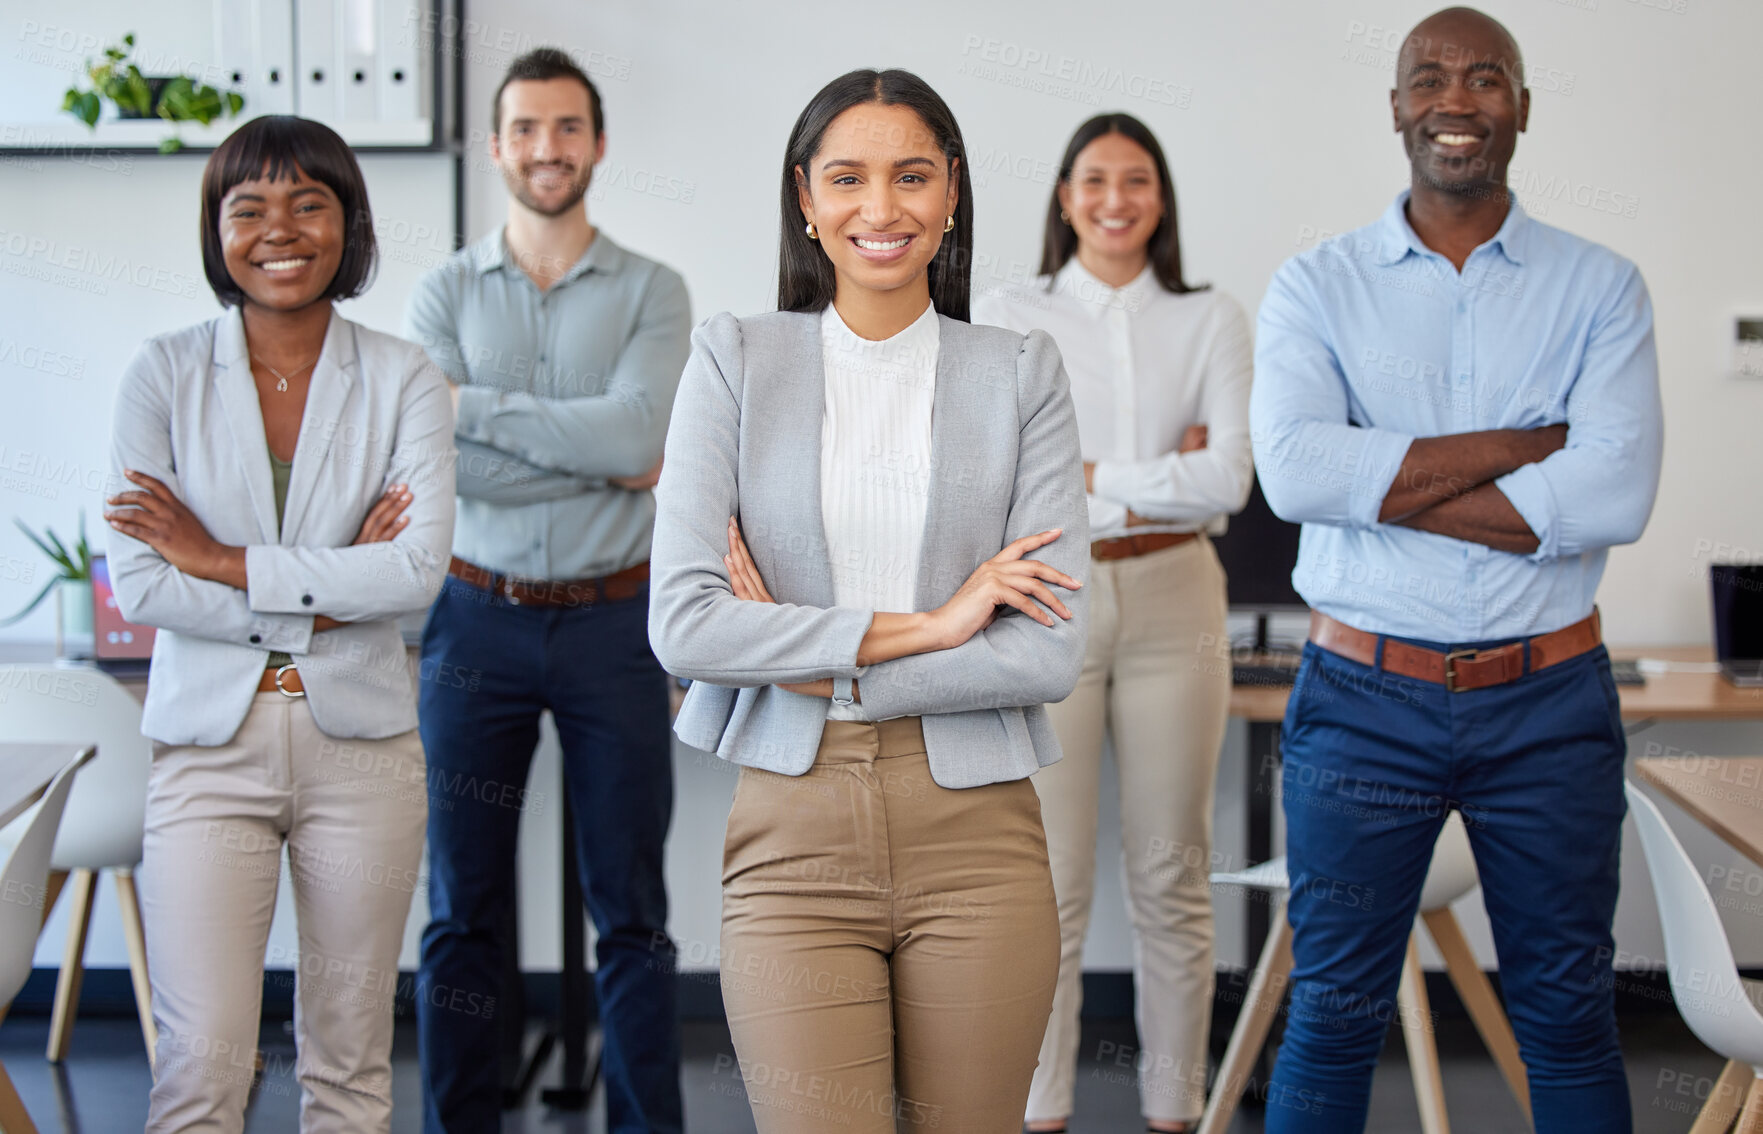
(889, 946)
(352, 814)
(1154, 677)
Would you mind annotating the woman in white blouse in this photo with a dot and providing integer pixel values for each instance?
(1160, 376)
(907, 488)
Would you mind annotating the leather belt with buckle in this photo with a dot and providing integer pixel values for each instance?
(1458, 670)
(284, 680)
(1132, 546)
(625, 584)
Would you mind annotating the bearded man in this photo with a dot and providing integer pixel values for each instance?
(564, 350)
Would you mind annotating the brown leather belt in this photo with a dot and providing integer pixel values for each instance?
(626, 584)
(1132, 546)
(1458, 670)
(285, 680)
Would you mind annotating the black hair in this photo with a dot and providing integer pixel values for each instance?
(543, 63)
(281, 146)
(1164, 250)
(805, 278)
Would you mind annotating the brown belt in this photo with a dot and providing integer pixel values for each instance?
(285, 680)
(1132, 546)
(626, 584)
(1460, 669)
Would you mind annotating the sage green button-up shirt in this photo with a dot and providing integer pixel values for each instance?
(562, 389)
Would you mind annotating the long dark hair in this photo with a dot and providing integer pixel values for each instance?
(805, 279)
(1060, 242)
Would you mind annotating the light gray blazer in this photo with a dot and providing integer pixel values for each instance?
(745, 441)
(378, 413)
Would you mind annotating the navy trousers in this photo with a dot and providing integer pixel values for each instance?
(489, 668)
(1373, 762)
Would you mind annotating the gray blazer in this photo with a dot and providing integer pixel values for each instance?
(378, 413)
(745, 441)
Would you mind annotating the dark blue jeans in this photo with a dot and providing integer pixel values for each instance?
(1373, 761)
(489, 669)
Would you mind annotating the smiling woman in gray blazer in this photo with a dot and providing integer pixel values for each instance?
(852, 489)
(291, 494)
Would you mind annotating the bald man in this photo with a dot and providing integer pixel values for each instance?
(1461, 407)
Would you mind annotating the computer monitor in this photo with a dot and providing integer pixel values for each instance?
(1259, 551)
(1738, 620)
(119, 646)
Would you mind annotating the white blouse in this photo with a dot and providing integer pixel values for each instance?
(1144, 365)
(875, 451)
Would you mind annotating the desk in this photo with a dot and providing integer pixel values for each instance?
(1673, 696)
(29, 768)
(1723, 793)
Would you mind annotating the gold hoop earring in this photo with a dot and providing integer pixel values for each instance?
(813, 233)
(949, 225)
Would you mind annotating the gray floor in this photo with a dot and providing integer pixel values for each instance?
(102, 1088)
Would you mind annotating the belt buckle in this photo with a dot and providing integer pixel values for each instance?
(289, 693)
(1451, 669)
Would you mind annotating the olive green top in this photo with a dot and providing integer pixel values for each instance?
(280, 471)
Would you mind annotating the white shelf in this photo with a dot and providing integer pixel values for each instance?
(67, 132)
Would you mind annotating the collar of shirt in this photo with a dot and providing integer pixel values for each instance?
(490, 254)
(913, 347)
(1399, 238)
(1098, 298)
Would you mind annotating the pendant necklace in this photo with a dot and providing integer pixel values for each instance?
(282, 379)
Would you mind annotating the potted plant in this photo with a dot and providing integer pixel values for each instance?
(72, 585)
(174, 98)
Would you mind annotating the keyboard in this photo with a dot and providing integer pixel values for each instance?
(1627, 672)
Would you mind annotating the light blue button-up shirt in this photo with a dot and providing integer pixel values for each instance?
(562, 390)
(1371, 339)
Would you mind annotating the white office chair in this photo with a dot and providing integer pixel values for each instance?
(27, 872)
(105, 814)
(1717, 1004)
(1450, 876)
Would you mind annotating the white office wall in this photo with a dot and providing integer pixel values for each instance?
(1275, 118)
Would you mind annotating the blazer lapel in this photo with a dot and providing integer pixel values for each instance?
(958, 415)
(332, 378)
(244, 416)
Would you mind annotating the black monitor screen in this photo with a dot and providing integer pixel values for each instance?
(1258, 553)
(1738, 611)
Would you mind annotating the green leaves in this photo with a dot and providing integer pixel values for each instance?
(83, 105)
(75, 564)
(178, 98)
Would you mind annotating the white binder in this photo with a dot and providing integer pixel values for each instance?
(404, 34)
(358, 42)
(319, 58)
(254, 47)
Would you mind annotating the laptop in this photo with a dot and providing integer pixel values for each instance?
(1738, 621)
(119, 648)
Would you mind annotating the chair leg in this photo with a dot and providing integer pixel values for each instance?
(73, 964)
(1423, 1054)
(1267, 989)
(1478, 997)
(129, 902)
(14, 1118)
(1724, 1101)
(1751, 1120)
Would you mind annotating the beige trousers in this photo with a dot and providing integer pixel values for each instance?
(889, 946)
(351, 813)
(1156, 678)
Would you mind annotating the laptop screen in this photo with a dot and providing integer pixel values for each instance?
(1738, 611)
(111, 636)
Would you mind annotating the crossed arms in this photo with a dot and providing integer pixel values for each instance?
(1556, 490)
